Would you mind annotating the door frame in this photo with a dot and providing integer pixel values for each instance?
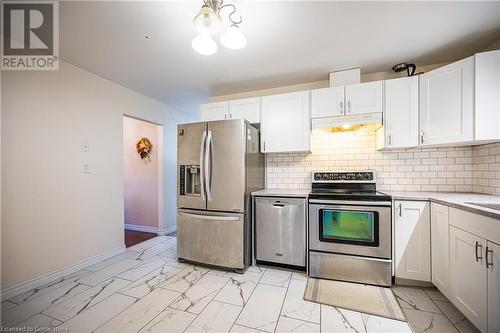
(161, 228)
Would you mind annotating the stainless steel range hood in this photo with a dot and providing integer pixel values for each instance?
(347, 121)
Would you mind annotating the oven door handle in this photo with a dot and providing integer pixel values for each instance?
(351, 202)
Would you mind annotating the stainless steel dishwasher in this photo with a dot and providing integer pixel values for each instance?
(280, 230)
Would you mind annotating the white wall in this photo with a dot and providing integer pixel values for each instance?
(366, 77)
(53, 215)
(140, 176)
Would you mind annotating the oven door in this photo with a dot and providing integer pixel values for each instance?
(354, 228)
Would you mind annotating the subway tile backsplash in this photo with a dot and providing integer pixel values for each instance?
(486, 168)
(460, 169)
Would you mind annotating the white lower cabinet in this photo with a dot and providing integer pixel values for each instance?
(493, 265)
(468, 276)
(440, 247)
(412, 234)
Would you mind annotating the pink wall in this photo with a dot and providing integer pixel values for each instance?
(140, 177)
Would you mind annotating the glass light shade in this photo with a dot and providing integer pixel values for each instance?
(207, 21)
(204, 44)
(233, 38)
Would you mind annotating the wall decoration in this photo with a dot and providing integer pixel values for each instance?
(144, 148)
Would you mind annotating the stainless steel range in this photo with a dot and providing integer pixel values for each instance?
(349, 228)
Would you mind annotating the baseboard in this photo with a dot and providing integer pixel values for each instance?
(141, 228)
(47, 278)
(412, 283)
(167, 231)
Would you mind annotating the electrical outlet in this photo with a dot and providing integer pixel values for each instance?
(85, 147)
(85, 168)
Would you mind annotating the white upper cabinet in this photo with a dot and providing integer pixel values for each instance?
(447, 104)
(248, 108)
(413, 243)
(487, 95)
(440, 244)
(285, 122)
(214, 111)
(400, 129)
(363, 98)
(327, 102)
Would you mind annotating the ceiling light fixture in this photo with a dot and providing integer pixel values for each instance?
(209, 21)
(204, 44)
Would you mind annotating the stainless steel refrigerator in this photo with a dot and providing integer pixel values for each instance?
(218, 165)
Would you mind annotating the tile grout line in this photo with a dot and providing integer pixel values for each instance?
(197, 315)
(245, 303)
(118, 292)
(282, 304)
(211, 300)
(444, 314)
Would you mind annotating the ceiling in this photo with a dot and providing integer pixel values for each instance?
(288, 42)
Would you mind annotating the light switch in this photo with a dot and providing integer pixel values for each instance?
(85, 147)
(85, 168)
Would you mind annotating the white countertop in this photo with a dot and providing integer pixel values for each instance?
(272, 192)
(454, 199)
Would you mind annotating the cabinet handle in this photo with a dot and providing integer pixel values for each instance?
(400, 210)
(348, 106)
(488, 264)
(230, 116)
(478, 246)
(225, 116)
(389, 140)
(422, 137)
(264, 145)
(341, 107)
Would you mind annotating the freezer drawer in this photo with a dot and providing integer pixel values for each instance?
(211, 238)
(280, 229)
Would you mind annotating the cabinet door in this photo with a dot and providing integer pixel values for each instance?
(327, 102)
(447, 103)
(401, 112)
(493, 287)
(487, 100)
(468, 281)
(440, 244)
(214, 111)
(285, 123)
(248, 108)
(412, 233)
(363, 98)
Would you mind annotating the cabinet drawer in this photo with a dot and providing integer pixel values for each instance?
(482, 226)
(280, 230)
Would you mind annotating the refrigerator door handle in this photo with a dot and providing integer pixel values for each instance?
(208, 165)
(211, 217)
(202, 167)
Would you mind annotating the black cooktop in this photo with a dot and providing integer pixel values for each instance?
(346, 194)
(346, 186)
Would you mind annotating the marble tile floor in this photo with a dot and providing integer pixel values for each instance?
(145, 289)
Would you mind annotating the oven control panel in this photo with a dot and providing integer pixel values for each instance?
(338, 177)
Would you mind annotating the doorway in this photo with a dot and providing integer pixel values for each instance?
(143, 180)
